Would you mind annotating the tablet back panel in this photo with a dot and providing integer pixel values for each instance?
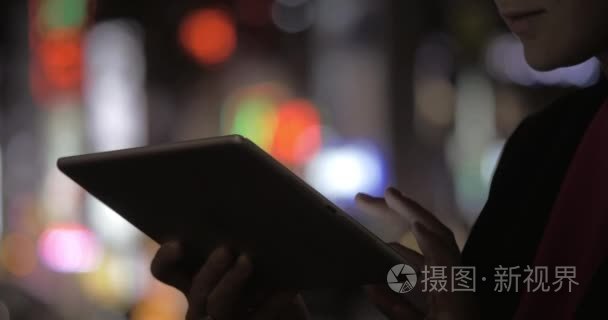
(226, 190)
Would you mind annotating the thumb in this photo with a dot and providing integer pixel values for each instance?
(167, 266)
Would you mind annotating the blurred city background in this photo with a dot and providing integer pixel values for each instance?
(352, 95)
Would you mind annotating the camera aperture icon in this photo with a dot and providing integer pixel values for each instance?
(401, 278)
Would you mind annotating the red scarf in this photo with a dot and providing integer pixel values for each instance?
(577, 231)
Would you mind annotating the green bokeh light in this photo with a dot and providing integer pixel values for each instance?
(63, 14)
(256, 119)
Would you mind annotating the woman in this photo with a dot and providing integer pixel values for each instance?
(545, 203)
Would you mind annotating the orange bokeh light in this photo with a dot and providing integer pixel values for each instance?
(298, 133)
(18, 254)
(209, 35)
(161, 302)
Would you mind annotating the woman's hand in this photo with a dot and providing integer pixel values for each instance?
(439, 247)
(216, 291)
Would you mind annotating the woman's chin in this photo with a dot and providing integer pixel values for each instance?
(547, 62)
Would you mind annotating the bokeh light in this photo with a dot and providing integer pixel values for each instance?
(474, 130)
(61, 197)
(256, 119)
(56, 29)
(268, 94)
(298, 133)
(340, 173)
(490, 159)
(209, 35)
(293, 16)
(18, 254)
(60, 60)
(118, 279)
(63, 14)
(70, 248)
(287, 128)
(338, 17)
(161, 303)
(114, 94)
(434, 101)
(110, 227)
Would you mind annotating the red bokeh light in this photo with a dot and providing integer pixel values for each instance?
(60, 58)
(209, 35)
(298, 134)
(57, 65)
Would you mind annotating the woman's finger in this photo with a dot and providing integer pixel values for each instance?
(377, 207)
(392, 305)
(222, 300)
(413, 258)
(439, 255)
(416, 213)
(167, 267)
(436, 251)
(218, 263)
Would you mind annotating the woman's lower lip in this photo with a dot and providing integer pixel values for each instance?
(522, 25)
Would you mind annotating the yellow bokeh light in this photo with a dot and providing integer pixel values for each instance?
(112, 283)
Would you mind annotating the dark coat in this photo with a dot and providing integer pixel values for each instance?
(525, 186)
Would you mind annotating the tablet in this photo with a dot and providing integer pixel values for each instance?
(226, 190)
